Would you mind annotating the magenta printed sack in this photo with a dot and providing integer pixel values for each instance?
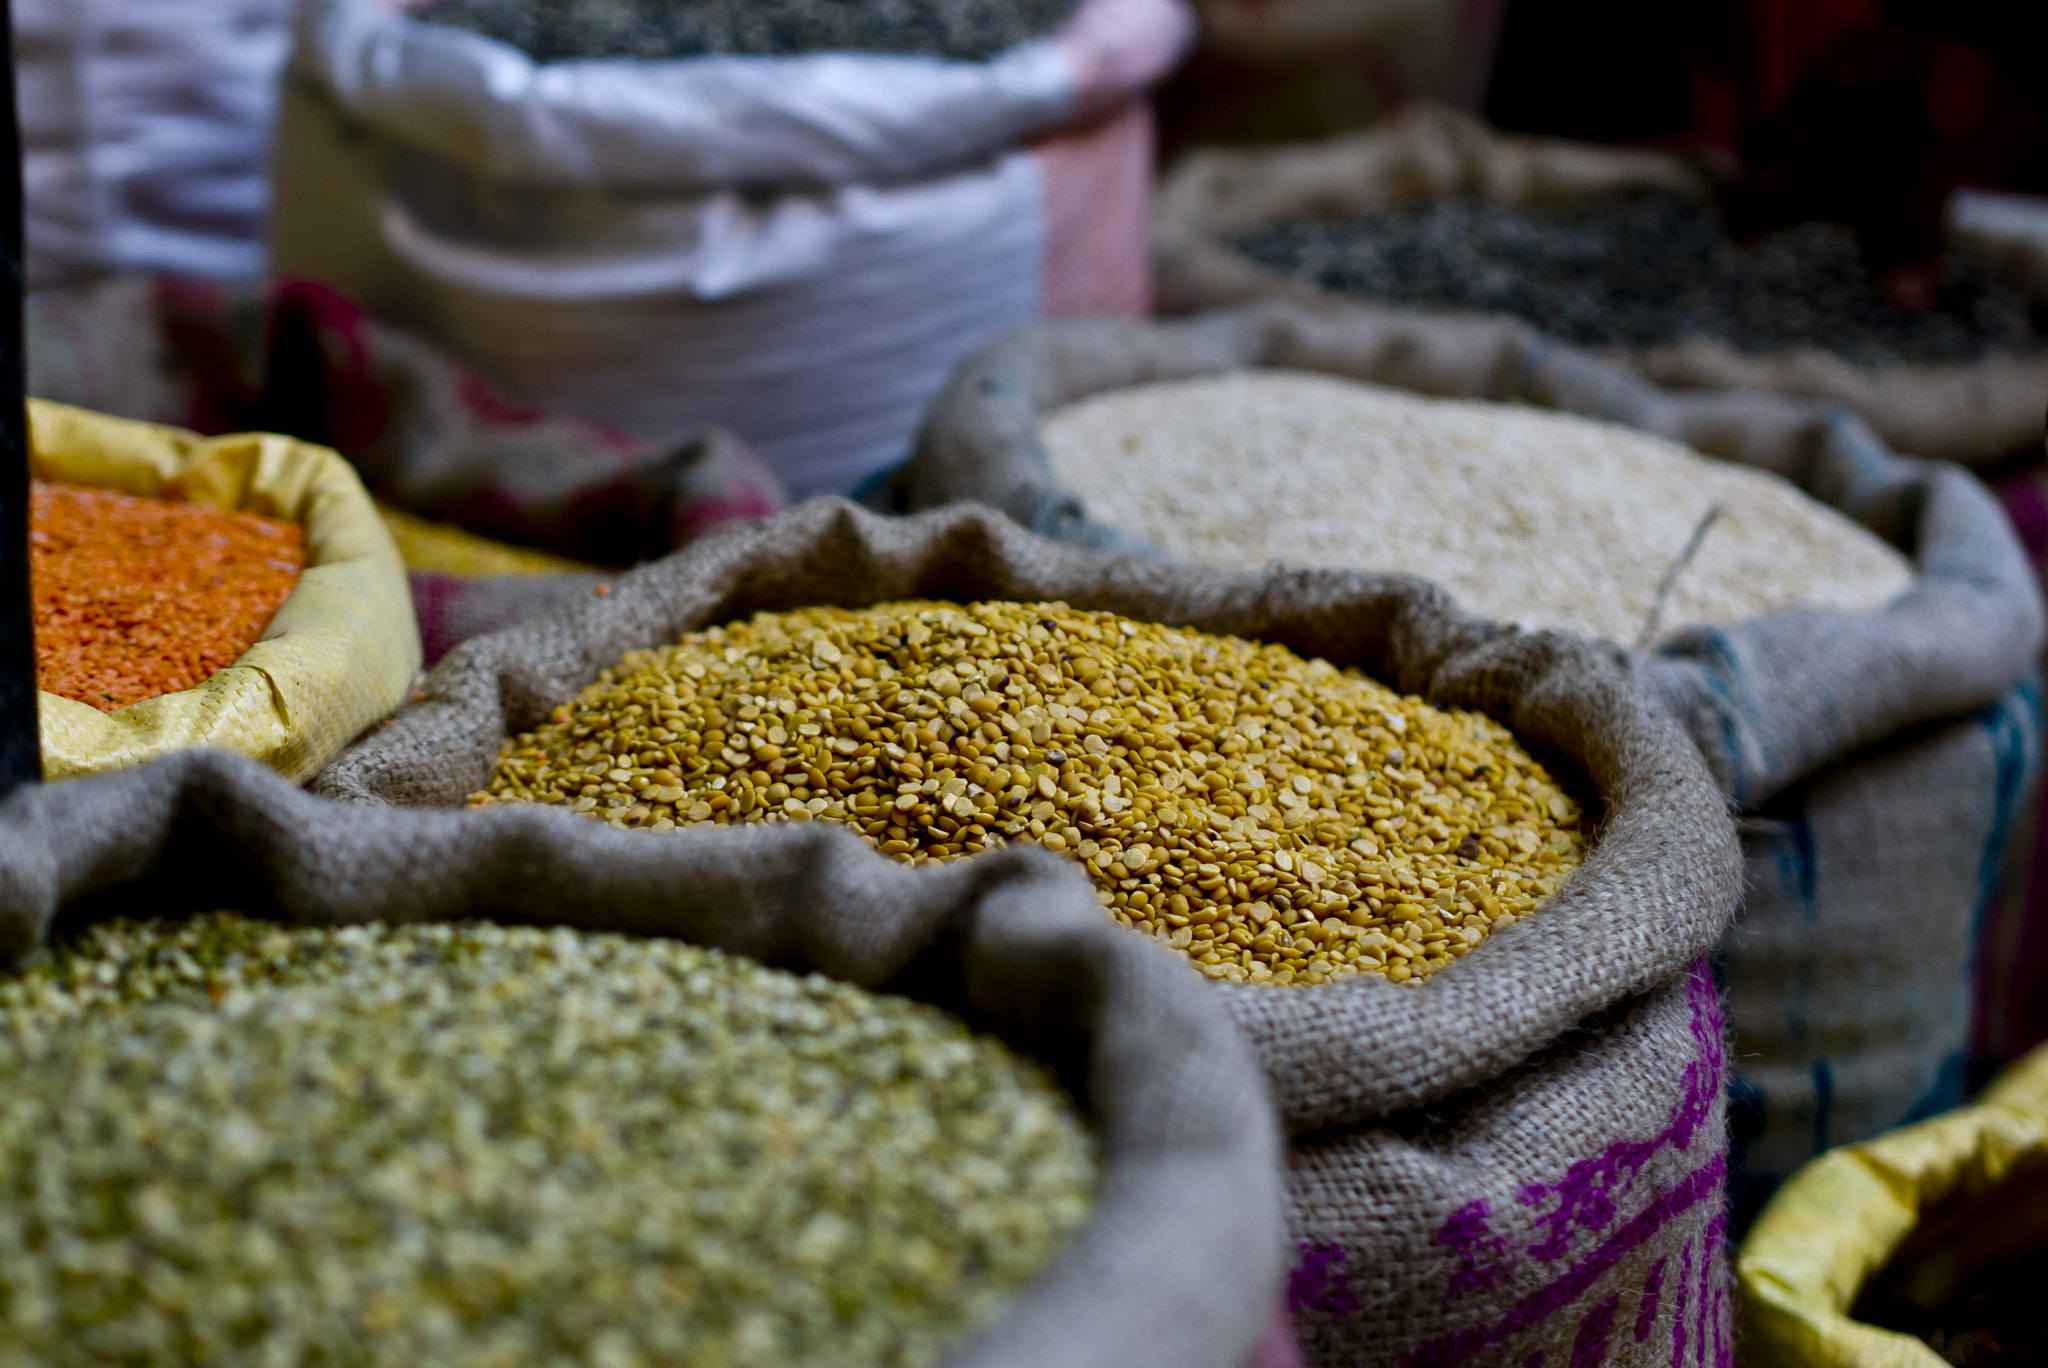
(1568, 1214)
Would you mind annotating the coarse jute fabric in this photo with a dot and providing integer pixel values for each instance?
(1651, 899)
(1849, 969)
(1805, 718)
(1967, 411)
(1178, 1263)
(1610, 1254)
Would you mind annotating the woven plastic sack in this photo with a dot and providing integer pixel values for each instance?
(144, 130)
(1842, 1218)
(424, 431)
(1177, 1264)
(1961, 411)
(337, 656)
(1414, 1103)
(795, 248)
(1879, 759)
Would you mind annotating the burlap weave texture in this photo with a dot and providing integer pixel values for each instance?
(1014, 940)
(1652, 898)
(1880, 757)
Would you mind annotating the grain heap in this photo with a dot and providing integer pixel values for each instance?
(230, 1143)
(565, 30)
(1646, 270)
(140, 597)
(1543, 519)
(444, 548)
(1276, 819)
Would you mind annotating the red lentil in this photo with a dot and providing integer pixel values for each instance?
(140, 597)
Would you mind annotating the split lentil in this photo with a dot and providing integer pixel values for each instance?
(226, 1142)
(1544, 519)
(564, 30)
(1276, 819)
(140, 597)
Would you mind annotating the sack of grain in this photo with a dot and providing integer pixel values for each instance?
(1429, 1109)
(550, 1040)
(1831, 685)
(129, 653)
(666, 216)
(143, 134)
(423, 430)
(1436, 210)
(1920, 1248)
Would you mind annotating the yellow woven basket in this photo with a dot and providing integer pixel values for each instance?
(339, 655)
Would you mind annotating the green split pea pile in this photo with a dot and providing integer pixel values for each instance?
(230, 1143)
(1274, 818)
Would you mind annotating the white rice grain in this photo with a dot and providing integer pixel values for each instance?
(1533, 517)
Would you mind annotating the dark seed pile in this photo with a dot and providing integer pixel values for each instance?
(1645, 270)
(1995, 1319)
(568, 30)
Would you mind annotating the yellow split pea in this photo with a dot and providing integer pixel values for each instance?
(1276, 819)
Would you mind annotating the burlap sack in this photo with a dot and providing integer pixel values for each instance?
(1849, 971)
(1962, 411)
(1872, 847)
(1177, 1265)
(1393, 1078)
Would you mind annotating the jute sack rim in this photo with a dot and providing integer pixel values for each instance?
(336, 656)
(1760, 710)
(1430, 152)
(1173, 1096)
(1653, 895)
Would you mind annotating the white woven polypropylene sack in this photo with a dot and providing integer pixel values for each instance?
(796, 248)
(144, 133)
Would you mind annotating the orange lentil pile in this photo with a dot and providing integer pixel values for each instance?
(139, 597)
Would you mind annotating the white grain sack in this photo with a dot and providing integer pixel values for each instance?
(1539, 518)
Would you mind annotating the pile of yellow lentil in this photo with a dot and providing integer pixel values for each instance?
(1276, 819)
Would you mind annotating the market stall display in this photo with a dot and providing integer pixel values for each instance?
(1878, 755)
(1917, 1249)
(1011, 943)
(1261, 813)
(796, 248)
(1492, 1059)
(337, 653)
(840, 1175)
(1613, 249)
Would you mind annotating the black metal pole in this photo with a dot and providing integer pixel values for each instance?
(21, 755)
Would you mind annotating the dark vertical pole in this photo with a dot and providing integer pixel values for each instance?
(21, 757)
